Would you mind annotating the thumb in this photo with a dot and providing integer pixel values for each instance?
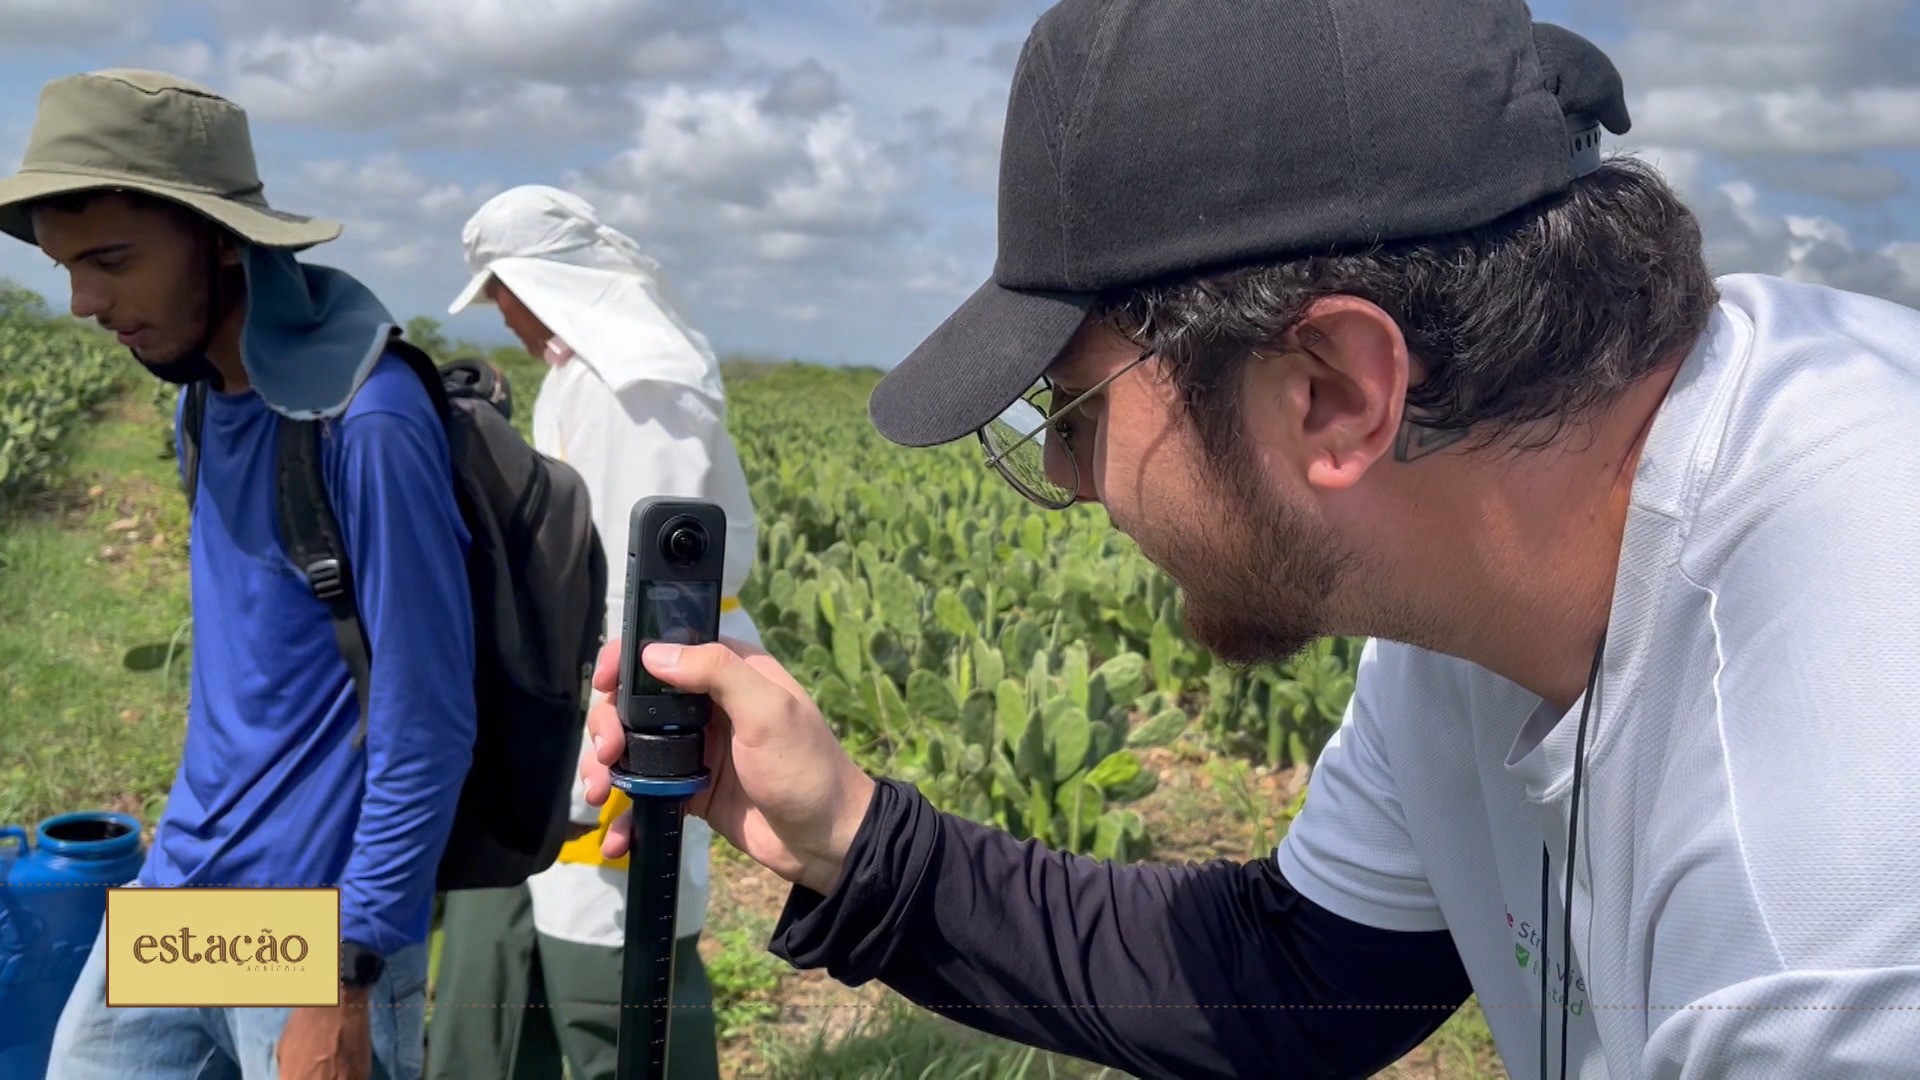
(759, 708)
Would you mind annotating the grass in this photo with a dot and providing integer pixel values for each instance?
(1463, 1048)
(900, 1042)
(92, 573)
(745, 978)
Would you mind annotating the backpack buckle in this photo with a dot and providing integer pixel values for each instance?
(326, 579)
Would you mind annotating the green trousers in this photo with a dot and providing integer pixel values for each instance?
(511, 1003)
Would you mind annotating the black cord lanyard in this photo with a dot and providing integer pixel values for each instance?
(1546, 858)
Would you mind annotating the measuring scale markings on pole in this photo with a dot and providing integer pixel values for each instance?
(675, 558)
(653, 892)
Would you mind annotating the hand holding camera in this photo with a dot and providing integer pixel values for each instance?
(782, 789)
(763, 768)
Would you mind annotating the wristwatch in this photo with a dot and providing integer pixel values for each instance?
(360, 967)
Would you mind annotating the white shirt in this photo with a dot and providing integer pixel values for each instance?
(1747, 895)
(650, 438)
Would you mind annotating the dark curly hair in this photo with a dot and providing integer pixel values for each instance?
(1520, 325)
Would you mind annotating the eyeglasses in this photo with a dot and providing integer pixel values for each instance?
(1018, 440)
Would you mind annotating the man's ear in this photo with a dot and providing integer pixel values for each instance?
(1347, 386)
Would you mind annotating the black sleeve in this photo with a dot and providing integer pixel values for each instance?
(1214, 969)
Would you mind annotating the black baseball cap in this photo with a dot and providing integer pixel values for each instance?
(1151, 139)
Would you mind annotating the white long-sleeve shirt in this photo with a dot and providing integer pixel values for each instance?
(648, 438)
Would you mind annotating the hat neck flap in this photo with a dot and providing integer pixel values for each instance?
(618, 322)
(312, 334)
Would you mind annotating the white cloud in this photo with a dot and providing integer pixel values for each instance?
(390, 212)
(187, 59)
(1742, 101)
(717, 160)
(242, 18)
(969, 142)
(942, 276)
(386, 184)
(1743, 236)
(479, 68)
(768, 216)
(1844, 179)
(974, 141)
(952, 12)
(565, 42)
(411, 253)
(1769, 44)
(38, 23)
(1906, 255)
(1773, 76)
(718, 146)
(786, 247)
(1003, 57)
(13, 139)
(1796, 120)
(806, 89)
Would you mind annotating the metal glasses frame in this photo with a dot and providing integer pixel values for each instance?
(997, 460)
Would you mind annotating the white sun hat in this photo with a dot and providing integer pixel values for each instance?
(588, 283)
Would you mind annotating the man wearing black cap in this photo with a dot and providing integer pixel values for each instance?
(1335, 308)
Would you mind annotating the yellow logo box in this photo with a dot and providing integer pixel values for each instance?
(210, 947)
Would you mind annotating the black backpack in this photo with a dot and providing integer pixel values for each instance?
(539, 585)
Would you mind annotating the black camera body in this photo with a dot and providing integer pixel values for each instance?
(676, 553)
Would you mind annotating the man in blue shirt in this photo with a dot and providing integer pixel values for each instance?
(142, 186)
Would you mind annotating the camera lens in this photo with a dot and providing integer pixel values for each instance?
(684, 542)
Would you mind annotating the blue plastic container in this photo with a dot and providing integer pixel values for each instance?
(53, 898)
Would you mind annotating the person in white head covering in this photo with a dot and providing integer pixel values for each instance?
(633, 400)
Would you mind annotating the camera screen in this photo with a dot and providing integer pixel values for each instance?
(681, 612)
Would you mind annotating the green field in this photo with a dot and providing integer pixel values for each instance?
(1024, 668)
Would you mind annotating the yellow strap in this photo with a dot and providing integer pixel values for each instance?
(586, 848)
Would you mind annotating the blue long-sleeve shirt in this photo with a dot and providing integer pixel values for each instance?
(270, 789)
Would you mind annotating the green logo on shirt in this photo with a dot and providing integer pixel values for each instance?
(1521, 955)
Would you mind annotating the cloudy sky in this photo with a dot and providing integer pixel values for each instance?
(817, 175)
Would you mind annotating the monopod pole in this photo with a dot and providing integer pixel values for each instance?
(653, 889)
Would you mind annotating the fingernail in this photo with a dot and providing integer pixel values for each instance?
(663, 655)
(596, 742)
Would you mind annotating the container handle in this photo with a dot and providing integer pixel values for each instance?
(17, 833)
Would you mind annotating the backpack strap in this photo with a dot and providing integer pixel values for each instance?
(315, 547)
(312, 533)
(192, 418)
(433, 378)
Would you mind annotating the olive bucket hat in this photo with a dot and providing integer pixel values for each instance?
(130, 130)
